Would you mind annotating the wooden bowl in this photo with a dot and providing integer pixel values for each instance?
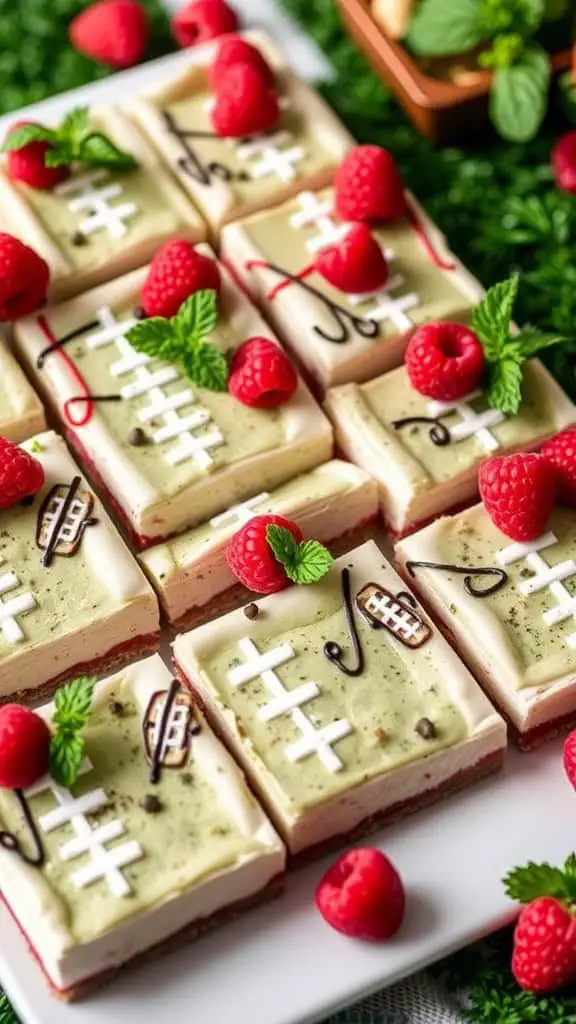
(443, 111)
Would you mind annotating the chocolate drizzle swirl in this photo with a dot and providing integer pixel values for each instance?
(332, 650)
(191, 164)
(439, 433)
(156, 760)
(10, 842)
(469, 572)
(62, 342)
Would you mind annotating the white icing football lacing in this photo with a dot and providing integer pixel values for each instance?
(103, 864)
(400, 620)
(385, 306)
(318, 213)
(273, 160)
(161, 406)
(288, 702)
(473, 424)
(103, 216)
(75, 519)
(11, 629)
(545, 576)
(176, 731)
(239, 513)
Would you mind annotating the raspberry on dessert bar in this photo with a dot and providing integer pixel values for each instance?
(335, 695)
(202, 20)
(168, 840)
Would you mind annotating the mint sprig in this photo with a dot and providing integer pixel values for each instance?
(305, 562)
(182, 338)
(72, 142)
(72, 708)
(528, 883)
(506, 353)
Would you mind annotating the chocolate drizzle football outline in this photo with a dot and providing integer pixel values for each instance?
(63, 517)
(380, 608)
(168, 726)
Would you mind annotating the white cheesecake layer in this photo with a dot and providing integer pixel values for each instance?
(21, 411)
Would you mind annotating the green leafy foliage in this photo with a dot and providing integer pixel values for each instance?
(519, 95)
(440, 28)
(72, 705)
(527, 883)
(66, 755)
(7, 1015)
(305, 562)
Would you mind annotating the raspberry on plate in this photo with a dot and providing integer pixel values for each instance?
(261, 375)
(445, 361)
(362, 895)
(176, 272)
(518, 492)
(560, 452)
(569, 758)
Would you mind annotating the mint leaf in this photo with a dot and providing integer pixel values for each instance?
(75, 126)
(519, 95)
(66, 756)
(282, 544)
(26, 134)
(491, 318)
(532, 340)
(197, 317)
(313, 561)
(98, 150)
(504, 391)
(61, 153)
(73, 702)
(156, 338)
(528, 883)
(440, 29)
(207, 367)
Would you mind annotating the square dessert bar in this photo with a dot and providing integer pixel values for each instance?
(336, 503)
(342, 702)
(227, 177)
(425, 454)
(509, 609)
(21, 411)
(100, 223)
(339, 337)
(72, 598)
(168, 456)
(158, 840)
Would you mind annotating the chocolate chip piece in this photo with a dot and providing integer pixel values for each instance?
(79, 239)
(150, 804)
(137, 437)
(426, 729)
(28, 501)
(251, 611)
(139, 313)
(116, 708)
(243, 176)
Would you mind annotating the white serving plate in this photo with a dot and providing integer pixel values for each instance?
(281, 964)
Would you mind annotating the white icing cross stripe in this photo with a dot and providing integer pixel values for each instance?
(318, 213)
(239, 514)
(18, 605)
(104, 864)
(289, 702)
(545, 576)
(161, 406)
(272, 159)
(103, 216)
(472, 423)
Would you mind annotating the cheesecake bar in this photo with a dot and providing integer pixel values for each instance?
(508, 608)
(72, 598)
(21, 411)
(425, 454)
(336, 503)
(342, 702)
(158, 839)
(167, 456)
(338, 337)
(230, 177)
(100, 223)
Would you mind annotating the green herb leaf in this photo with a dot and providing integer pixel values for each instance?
(155, 337)
(491, 318)
(66, 756)
(25, 134)
(197, 317)
(532, 340)
(504, 391)
(440, 29)
(61, 153)
(519, 95)
(528, 883)
(304, 563)
(283, 545)
(207, 367)
(73, 702)
(75, 126)
(98, 150)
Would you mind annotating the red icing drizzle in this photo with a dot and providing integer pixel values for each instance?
(77, 376)
(416, 225)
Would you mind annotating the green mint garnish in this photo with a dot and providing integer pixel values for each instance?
(506, 353)
(183, 339)
(304, 562)
(528, 883)
(440, 28)
(72, 705)
(73, 142)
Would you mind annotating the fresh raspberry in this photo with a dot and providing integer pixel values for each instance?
(561, 452)
(245, 104)
(368, 186)
(261, 375)
(355, 265)
(518, 492)
(21, 476)
(113, 32)
(564, 162)
(234, 50)
(570, 758)
(362, 895)
(24, 278)
(203, 20)
(250, 557)
(544, 957)
(27, 163)
(176, 272)
(444, 361)
(24, 747)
